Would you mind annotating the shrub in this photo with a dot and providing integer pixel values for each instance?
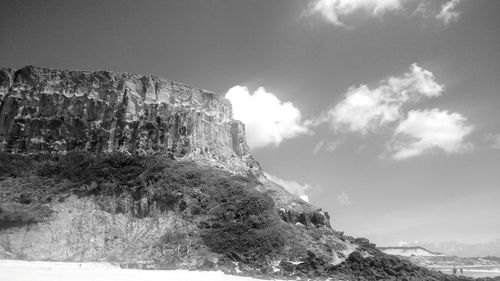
(13, 165)
(244, 223)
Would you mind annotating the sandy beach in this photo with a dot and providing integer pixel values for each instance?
(14, 270)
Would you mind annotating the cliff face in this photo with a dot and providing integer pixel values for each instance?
(54, 111)
(143, 209)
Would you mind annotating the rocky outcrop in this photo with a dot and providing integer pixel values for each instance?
(141, 209)
(55, 111)
(313, 218)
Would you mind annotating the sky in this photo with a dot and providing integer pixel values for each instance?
(385, 113)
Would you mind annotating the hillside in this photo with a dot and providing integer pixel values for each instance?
(147, 173)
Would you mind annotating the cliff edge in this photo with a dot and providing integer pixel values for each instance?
(54, 111)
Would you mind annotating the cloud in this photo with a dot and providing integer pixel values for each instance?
(495, 139)
(268, 121)
(337, 11)
(333, 10)
(328, 146)
(365, 110)
(448, 14)
(425, 130)
(344, 199)
(291, 186)
(402, 244)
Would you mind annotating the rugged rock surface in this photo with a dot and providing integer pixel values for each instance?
(55, 111)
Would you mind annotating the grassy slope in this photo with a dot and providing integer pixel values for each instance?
(231, 216)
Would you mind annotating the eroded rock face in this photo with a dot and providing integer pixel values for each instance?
(54, 111)
(315, 218)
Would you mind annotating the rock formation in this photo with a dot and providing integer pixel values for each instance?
(89, 171)
(54, 111)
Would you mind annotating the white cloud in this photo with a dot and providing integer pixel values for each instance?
(448, 14)
(268, 121)
(337, 11)
(291, 186)
(364, 110)
(425, 130)
(344, 199)
(333, 10)
(328, 146)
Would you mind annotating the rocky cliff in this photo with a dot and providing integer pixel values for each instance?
(55, 111)
(149, 173)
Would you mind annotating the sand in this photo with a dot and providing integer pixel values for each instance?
(14, 270)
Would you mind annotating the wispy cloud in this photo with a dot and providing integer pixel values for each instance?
(337, 12)
(495, 140)
(268, 120)
(402, 244)
(448, 12)
(365, 110)
(425, 130)
(328, 146)
(344, 199)
(299, 189)
(334, 10)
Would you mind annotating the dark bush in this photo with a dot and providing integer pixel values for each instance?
(243, 222)
(243, 239)
(13, 165)
(114, 167)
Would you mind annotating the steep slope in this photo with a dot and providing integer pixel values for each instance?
(144, 172)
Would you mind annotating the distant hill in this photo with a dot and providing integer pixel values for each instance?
(409, 251)
(491, 258)
(473, 266)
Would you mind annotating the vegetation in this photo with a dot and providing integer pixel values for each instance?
(245, 225)
(230, 216)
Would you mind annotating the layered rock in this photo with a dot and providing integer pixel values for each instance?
(55, 111)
